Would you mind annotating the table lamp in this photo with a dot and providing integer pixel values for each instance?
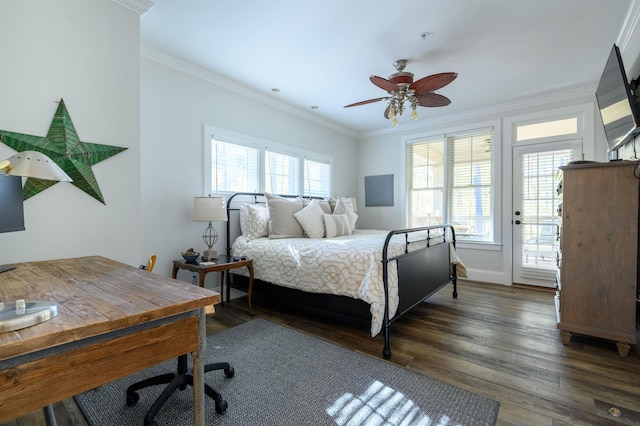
(25, 313)
(209, 209)
(31, 164)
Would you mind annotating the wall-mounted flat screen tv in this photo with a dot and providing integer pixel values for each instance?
(618, 104)
(11, 204)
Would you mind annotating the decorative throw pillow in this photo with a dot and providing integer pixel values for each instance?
(244, 226)
(310, 218)
(332, 203)
(282, 221)
(345, 206)
(326, 207)
(336, 225)
(257, 221)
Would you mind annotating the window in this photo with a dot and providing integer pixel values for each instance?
(234, 167)
(317, 179)
(568, 126)
(238, 163)
(450, 181)
(281, 174)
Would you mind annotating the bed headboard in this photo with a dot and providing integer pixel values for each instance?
(233, 211)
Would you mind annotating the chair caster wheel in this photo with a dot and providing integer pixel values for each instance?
(221, 406)
(132, 399)
(230, 372)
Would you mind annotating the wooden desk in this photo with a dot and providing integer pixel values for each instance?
(113, 320)
(222, 264)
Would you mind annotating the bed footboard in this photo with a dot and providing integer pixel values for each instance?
(422, 270)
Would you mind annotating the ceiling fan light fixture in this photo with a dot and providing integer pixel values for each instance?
(401, 88)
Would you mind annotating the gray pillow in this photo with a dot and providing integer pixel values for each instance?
(283, 222)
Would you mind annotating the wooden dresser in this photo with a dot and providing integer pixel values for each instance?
(598, 263)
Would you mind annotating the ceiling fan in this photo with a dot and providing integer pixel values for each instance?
(402, 89)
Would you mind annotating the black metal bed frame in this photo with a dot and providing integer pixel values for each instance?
(421, 273)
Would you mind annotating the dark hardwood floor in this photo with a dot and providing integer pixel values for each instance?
(497, 341)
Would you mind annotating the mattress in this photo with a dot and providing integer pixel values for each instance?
(348, 266)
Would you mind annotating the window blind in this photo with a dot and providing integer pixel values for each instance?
(317, 179)
(450, 180)
(282, 173)
(426, 183)
(539, 207)
(470, 193)
(235, 167)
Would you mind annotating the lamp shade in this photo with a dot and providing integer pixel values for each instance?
(33, 164)
(209, 209)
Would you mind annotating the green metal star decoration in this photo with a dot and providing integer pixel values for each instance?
(64, 147)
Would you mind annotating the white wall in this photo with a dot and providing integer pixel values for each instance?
(175, 107)
(629, 44)
(383, 154)
(88, 54)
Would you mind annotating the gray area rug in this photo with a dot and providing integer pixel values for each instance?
(285, 377)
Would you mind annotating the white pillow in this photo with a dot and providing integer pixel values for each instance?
(257, 221)
(345, 206)
(283, 223)
(332, 203)
(336, 225)
(326, 207)
(310, 218)
(244, 219)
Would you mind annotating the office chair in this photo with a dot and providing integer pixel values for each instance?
(179, 379)
(150, 264)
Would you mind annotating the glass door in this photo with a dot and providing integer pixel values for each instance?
(535, 217)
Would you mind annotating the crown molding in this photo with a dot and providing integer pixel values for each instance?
(159, 56)
(500, 110)
(138, 6)
(630, 27)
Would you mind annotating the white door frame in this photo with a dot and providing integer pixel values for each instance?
(586, 113)
(520, 273)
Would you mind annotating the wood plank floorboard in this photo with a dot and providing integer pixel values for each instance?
(497, 341)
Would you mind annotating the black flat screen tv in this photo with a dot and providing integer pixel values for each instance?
(618, 104)
(11, 204)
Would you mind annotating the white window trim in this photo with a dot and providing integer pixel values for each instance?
(261, 145)
(586, 127)
(497, 195)
(586, 132)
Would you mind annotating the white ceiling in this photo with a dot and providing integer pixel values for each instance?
(322, 52)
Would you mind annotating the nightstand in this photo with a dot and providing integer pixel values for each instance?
(222, 264)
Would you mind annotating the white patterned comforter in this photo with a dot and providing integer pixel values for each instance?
(349, 266)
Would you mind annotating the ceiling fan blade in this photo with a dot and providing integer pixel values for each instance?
(366, 102)
(433, 82)
(383, 83)
(432, 100)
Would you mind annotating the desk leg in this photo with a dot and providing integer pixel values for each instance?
(222, 274)
(228, 286)
(250, 290)
(198, 371)
(49, 416)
